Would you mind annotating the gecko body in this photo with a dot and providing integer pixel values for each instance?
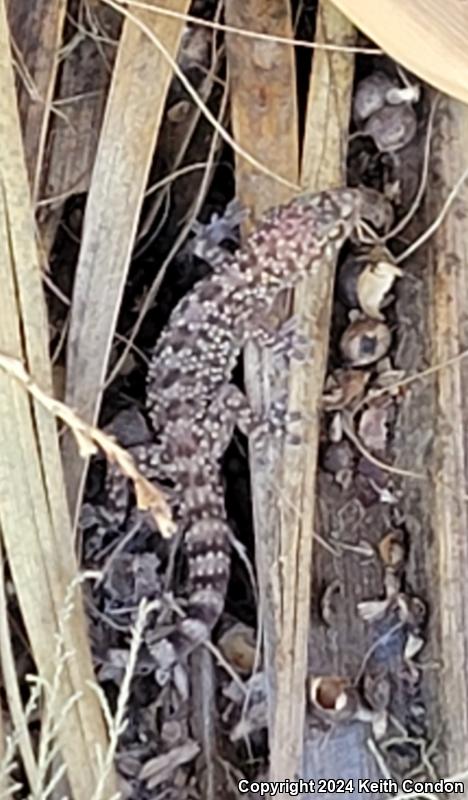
(192, 404)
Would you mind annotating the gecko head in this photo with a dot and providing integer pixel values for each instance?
(338, 212)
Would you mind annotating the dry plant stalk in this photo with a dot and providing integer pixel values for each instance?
(126, 147)
(262, 73)
(37, 39)
(327, 124)
(33, 512)
(448, 256)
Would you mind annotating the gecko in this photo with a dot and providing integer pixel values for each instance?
(192, 405)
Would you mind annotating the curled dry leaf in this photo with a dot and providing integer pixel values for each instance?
(403, 94)
(338, 456)
(333, 697)
(413, 611)
(371, 94)
(172, 733)
(392, 549)
(328, 602)
(346, 387)
(373, 285)
(414, 644)
(373, 428)
(392, 127)
(379, 724)
(345, 478)
(179, 111)
(365, 341)
(254, 687)
(385, 495)
(114, 666)
(194, 48)
(159, 769)
(372, 610)
(387, 375)
(335, 430)
(254, 719)
(255, 715)
(238, 646)
(392, 584)
(376, 688)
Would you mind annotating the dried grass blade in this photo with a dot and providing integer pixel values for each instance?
(427, 36)
(135, 105)
(33, 511)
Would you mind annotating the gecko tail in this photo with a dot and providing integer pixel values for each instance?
(209, 561)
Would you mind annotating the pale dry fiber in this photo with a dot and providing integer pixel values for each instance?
(426, 36)
(447, 259)
(133, 115)
(34, 516)
(12, 689)
(263, 75)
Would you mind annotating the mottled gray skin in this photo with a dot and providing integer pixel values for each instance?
(191, 403)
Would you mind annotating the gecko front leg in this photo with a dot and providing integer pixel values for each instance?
(283, 340)
(232, 409)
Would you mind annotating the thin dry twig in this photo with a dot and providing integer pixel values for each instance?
(177, 173)
(249, 34)
(437, 222)
(425, 373)
(89, 439)
(404, 221)
(352, 435)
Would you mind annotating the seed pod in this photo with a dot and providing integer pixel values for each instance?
(333, 697)
(392, 549)
(365, 341)
(373, 285)
(238, 647)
